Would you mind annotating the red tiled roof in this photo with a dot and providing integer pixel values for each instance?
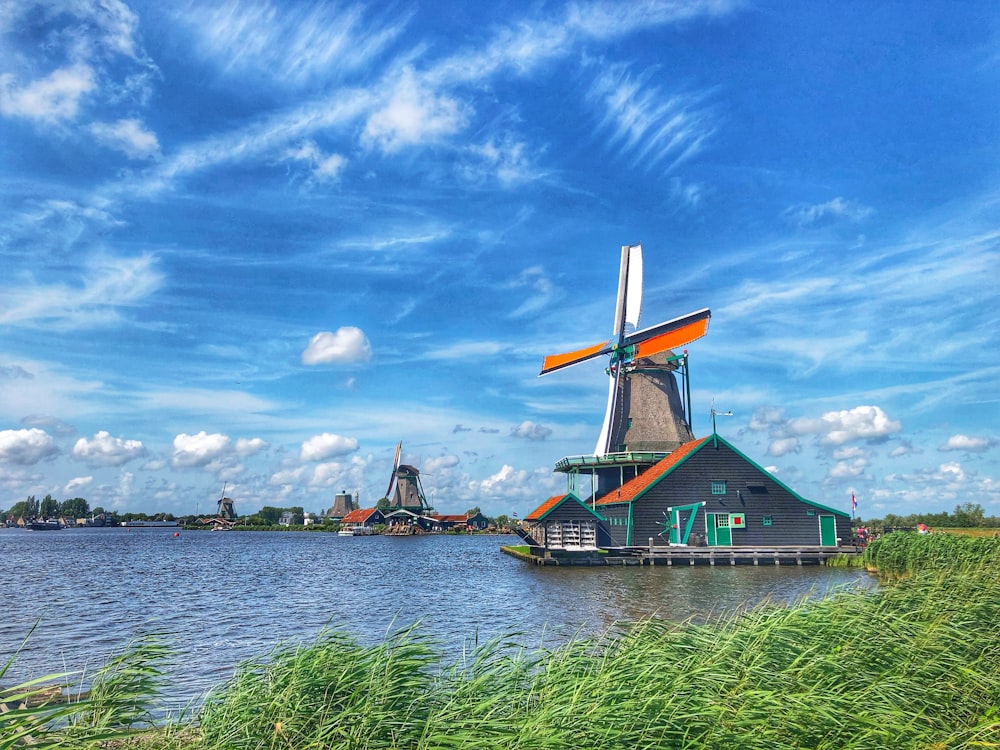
(544, 508)
(635, 487)
(361, 515)
(452, 518)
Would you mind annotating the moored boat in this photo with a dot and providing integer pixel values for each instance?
(43, 525)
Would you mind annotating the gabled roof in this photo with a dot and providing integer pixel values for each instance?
(360, 515)
(636, 487)
(539, 513)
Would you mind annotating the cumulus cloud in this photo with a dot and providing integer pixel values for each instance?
(198, 450)
(838, 427)
(249, 446)
(346, 346)
(128, 136)
(783, 446)
(26, 447)
(440, 463)
(848, 469)
(967, 444)
(104, 450)
(766, 417)
(327, 445)
(77, 483)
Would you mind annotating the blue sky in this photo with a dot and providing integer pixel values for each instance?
(259, 243)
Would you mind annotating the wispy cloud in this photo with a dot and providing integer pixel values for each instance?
(107, 286)
(289, 44)
(647, 125)
(832, 211)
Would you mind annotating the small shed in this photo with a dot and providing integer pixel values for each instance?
(565, 522)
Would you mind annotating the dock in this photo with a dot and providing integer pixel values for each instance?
(683, 556)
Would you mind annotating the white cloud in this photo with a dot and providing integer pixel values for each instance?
(440, 463)
(848, 469)
(838, 427)
(823, 213)
(646, 124)
(346, 346)
(51, 99)
(26, 447)
(108, 284)
(766, 417)
(128, 136)
(783, 446)
(412, 114)
(967, 444)
(198, 450)
(77, 483)
(325, 167)
(249, 446)
(528, 430)
(327, 445)
(105, 450)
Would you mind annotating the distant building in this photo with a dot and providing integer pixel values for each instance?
(343, 503)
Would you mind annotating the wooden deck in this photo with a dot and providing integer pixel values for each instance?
(686, 556)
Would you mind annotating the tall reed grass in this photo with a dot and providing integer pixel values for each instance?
(903, 553)
(913, 665)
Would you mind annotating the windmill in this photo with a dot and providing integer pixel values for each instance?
(227, 511)
(404, 487)
(646, 411)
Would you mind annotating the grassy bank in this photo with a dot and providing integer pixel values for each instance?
(911, 665)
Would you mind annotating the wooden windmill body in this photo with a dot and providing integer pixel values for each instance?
(405, 491)
(647, 414)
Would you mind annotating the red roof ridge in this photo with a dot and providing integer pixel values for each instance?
(635, 487)
(544, 508)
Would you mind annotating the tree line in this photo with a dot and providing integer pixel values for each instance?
(965, 516)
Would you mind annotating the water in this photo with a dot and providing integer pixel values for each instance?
(226, 597)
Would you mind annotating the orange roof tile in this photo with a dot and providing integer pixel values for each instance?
(544, 508)
(635, 487)
(361, 515)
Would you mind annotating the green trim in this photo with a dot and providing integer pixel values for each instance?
(771, 476)
(670, 471)
(571, 496)
(628, 530)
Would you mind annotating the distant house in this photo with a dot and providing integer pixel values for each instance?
(475, 522)
(706, 492)
(286, 519)
(363, 517)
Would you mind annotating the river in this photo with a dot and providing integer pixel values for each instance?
(226, 597)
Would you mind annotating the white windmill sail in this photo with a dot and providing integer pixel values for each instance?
(633, 287)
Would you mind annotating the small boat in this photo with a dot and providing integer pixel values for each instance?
(359, 530)
(43, 525)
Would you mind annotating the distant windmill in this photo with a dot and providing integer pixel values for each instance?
(227, 510)
(646, 411)
(404, 486)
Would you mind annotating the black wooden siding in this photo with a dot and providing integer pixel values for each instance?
(749, 490)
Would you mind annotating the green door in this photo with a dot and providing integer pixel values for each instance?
(719, 534)
(828, 531)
